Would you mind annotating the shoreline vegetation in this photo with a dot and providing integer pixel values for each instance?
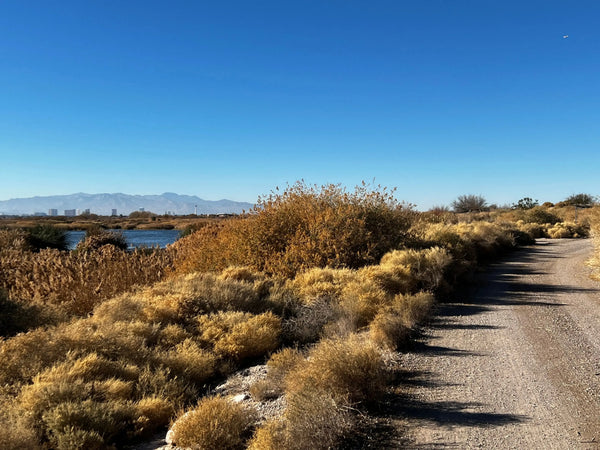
(323, 287)
(134, 221)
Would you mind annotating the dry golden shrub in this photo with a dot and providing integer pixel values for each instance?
(388, 329)
(269, 436)
(241, 273)
(360, 302)
(564, 230)
(214, 423)
(307, 323)
(16, 432)
(414, 308)
(312, 420)
(318, 283)
(196, 294)
(594, 260)
(189, 360)
(392, 279)
(91, 419)
(72, 438)
(534, 229)
(153, 413)
(25, 355)
(426, 266)
(162, 382)
(301, 228)
(172, 335)
(130, 306)
(88, 367)
(240, 336)
(351, 369)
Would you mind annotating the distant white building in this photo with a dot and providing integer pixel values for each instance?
(53, 212)
(114, 212)
(70, 212)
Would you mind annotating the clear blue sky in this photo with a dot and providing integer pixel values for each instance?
(230, 99)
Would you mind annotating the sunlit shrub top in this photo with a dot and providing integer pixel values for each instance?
(302, 227)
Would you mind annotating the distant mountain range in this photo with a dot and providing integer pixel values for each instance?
(104, 204)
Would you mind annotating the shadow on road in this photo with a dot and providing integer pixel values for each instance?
(500, 286)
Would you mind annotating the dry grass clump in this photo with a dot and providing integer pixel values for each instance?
(534, 229)
(351, 370)
(321, 283)
(301, 228)
(238, 335)
(153, 413)
(319, 391)
(15, 430)
(196, 294)
(426, 266)
(190, 361)
(540, 215)
(312, 420)
(17, 316)
(391, 327)
(564, 230)
(215, 422)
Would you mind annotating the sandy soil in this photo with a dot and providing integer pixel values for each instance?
(515, 364)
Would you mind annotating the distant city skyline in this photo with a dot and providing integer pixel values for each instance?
(233, 99)
(110, 204)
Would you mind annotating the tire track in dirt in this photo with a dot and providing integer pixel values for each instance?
(515, 364)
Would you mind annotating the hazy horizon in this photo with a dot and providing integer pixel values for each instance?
(231, 100)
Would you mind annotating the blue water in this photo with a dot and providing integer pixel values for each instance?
(135, 238)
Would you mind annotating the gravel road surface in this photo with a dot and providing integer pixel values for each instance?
(515, 364)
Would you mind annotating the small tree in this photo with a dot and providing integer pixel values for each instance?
(580, 200)
(469, 203)
(525, 203)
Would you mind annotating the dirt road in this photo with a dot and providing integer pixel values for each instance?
(517, 365)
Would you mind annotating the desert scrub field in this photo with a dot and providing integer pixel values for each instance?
(321, 284)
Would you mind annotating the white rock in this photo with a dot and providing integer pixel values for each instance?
(169, 437)
(239, 398)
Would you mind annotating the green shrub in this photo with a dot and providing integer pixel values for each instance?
(46, 236)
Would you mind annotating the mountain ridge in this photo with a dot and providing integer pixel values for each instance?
(104, 203)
